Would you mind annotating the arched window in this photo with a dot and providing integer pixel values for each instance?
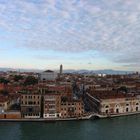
(137, 103)
(127, 104)
(126, 109)
(106, 106)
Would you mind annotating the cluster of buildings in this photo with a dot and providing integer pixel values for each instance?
(57, 95)
(50, 98)
(112, 103)
(116, 95)
(55, 102)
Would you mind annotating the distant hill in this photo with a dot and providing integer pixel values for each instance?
(82, 71)
(106, 71)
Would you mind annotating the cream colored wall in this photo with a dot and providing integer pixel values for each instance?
(120, 104)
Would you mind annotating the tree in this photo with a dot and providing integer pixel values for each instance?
(30, 80)
(3, 80)
(123, 88)
(18, 77)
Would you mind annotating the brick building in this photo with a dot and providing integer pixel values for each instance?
(31, 105)
(72, 108)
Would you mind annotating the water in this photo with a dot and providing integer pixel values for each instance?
(122, 128)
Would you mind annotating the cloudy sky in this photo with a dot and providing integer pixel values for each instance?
(80, 34)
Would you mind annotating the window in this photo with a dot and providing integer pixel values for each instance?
(30, 109)
(30, 103)
(106, 106)
(106, 111)
(137, 109)
(126, 109)
(117, 110)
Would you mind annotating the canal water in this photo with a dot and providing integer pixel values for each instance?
(121, 128)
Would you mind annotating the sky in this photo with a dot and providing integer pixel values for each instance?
(80, 34)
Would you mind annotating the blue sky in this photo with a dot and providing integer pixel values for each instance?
(80, 34)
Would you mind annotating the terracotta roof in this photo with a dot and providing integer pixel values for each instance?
(3, 99)
(110, 94)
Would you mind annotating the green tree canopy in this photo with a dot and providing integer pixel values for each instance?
(3, 80)
(30, 80)
(18, 77)
(123, 88)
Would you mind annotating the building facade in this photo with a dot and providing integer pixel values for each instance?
(109, 103)
(72, 109)
(48, 75)
(120, 106)
(52, 106)
(31, 105)
(5, 103)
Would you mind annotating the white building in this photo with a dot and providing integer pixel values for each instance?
(48, 75)
(110, 103)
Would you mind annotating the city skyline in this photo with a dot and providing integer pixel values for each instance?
(92, 34)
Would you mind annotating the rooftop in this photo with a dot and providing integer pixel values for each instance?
(48, 71)
(111, 94)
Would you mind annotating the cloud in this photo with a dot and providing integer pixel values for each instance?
(110, 27)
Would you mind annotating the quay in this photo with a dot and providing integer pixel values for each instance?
(88, 117)
(42, 120)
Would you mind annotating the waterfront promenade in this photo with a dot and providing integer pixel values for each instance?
(86, 117)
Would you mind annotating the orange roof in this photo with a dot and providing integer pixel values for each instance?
(110, 94)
